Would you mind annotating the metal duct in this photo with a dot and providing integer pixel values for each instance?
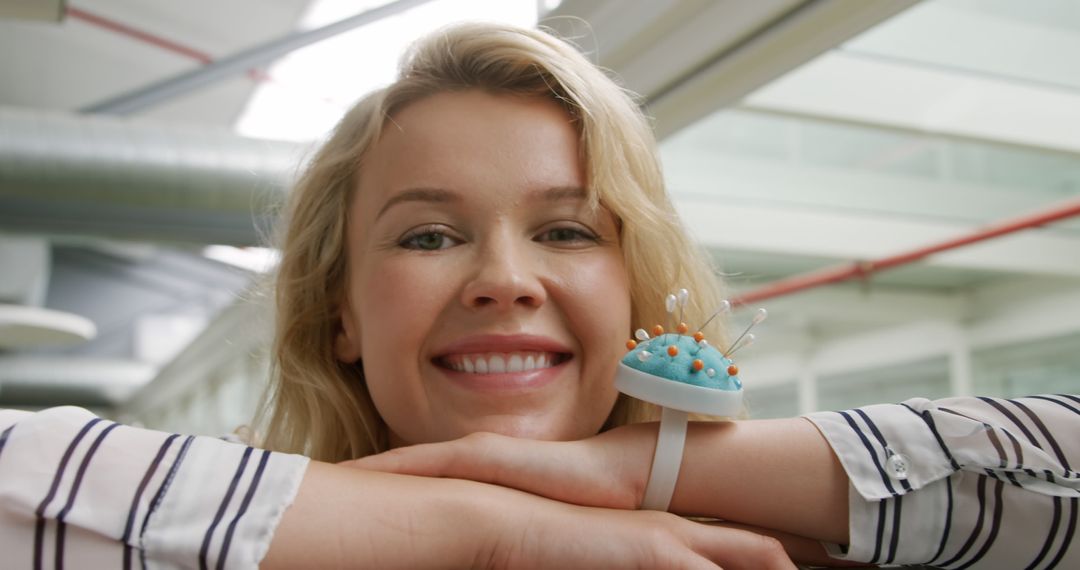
(100, 176)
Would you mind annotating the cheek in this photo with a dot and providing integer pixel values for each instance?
(596, 293)
(399, 302)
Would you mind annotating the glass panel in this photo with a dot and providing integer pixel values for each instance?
(927, 379)
(778, 401)
(1048, 366)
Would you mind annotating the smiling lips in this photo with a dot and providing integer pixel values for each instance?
(502, 362)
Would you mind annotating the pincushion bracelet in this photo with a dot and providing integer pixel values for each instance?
(683, 375)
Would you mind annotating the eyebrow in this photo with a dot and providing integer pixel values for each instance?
(435, 195)
(558, 193)
(442, 196)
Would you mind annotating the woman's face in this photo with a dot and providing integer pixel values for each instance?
(483, 293)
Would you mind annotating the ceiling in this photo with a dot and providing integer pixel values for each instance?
(795, 135)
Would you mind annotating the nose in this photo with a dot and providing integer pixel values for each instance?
(506, 276)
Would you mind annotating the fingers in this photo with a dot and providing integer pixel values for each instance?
(800, 549)
(429, 460)
(482, 457)
(696, 561)
(604, 471)
(736, 548)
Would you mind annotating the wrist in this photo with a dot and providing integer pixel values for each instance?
(476, 517)
(629, 449)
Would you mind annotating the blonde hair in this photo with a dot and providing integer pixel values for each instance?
(320, 406)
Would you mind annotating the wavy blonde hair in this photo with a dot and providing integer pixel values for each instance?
(320, 406)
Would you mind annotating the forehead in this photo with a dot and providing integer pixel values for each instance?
(473, 140)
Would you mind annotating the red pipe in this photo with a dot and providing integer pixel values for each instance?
(864, 269)
(202, 57)
(140, 35)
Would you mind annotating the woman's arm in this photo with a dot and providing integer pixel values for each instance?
(953, 481)
(961, 482)
(778, 474)
(350, 518)
(79, 489)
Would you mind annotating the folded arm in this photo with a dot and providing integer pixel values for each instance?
(74, 487)
(948, 481)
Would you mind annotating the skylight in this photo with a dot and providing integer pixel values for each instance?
(309, 90)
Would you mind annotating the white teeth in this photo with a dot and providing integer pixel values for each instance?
(498, 362)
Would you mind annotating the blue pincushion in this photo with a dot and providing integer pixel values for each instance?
(683, 373)
(714, 371)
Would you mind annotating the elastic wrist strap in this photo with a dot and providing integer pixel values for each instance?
(666, 460)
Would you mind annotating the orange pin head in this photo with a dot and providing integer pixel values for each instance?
(682, 328)
(673, 350)
(699, 336)
(732, 370)
(630, 344)
(657, 330)
(697, 364)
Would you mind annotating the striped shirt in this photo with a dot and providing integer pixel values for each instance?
(83, 492)
(962, 482)
(958, 483)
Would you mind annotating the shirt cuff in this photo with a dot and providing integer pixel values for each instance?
(887, 450)
(245, 491)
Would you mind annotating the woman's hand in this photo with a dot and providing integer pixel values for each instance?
(350, 518)
(546, 534)
(608, 470)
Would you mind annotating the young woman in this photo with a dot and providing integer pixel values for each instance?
(462, 264)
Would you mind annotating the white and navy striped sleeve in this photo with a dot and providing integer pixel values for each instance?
(85, 492)
(962, 482)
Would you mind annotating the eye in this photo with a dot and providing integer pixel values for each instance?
(427, 239)
(567, 234)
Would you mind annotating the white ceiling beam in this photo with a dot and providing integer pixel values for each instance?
(911, 96)
(689, 58)
(230, 66)
(966, 37)
(693, 171)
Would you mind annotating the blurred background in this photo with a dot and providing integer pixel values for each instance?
(145, 144)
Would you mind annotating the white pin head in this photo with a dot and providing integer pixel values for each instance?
(669, 303)
(683, 297)
(746, 341)
(725, 307)
(644, 355)
(641, 335)
(760, 315)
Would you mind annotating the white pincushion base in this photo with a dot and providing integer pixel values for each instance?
(677, 395)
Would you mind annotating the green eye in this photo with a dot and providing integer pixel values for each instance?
(427, 241)
(566, 235)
